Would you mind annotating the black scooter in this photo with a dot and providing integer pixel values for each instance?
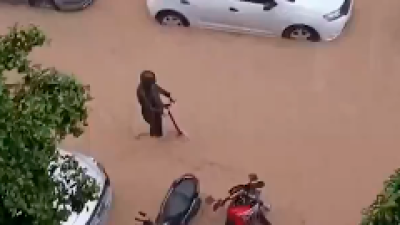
(180, 205)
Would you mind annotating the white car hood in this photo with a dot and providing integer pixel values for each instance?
(323, 6)
(93, 171)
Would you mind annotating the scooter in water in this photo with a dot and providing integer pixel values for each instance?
(246, 206)
(180, 205)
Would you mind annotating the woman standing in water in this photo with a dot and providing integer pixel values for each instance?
(149, 97)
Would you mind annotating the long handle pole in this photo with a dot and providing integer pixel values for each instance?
(174, 123)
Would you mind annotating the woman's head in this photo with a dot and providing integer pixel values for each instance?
(147, 78)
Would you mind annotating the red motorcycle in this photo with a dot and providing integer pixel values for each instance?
(246, 206)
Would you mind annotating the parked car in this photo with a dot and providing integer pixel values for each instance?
(311, 20)
(62, 5)
(95, 212)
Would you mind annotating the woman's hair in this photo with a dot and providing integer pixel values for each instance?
(147, 75)
(147, 79)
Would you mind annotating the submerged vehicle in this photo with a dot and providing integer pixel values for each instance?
(246, 206)
(180, 205)
(62, 5)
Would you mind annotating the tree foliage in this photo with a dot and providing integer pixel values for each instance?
(385, 210)
(38, 186)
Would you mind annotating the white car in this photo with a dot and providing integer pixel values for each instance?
(95, 212)
(312, 20)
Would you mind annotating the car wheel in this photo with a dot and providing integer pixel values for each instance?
(43, 3)
(60, 6)
(172, 18)
(55, 5)
(301, 32)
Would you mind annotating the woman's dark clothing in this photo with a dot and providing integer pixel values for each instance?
(156, 128)
(152, 106)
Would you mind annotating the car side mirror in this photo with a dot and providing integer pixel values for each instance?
(270, 5)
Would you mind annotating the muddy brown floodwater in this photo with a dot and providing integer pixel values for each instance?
(318, 122)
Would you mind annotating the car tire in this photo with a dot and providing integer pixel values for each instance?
(301, 32)
(172, 18)
(59, 7)
(44, 4)
(55, 5)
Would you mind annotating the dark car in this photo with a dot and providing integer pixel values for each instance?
(62, 5)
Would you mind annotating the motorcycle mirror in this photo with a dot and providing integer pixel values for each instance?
(259, 184)
(253, 177)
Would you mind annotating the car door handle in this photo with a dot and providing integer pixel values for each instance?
(233, 9)
(185, 2)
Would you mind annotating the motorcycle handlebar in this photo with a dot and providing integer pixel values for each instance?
(251, 186)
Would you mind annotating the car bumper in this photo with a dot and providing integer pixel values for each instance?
(151, 7)
(334, 28)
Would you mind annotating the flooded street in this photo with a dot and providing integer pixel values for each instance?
(318, 122)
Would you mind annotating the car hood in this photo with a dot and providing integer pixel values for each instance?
(320, 6)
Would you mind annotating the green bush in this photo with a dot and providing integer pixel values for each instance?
(36, 114)
(385, 210)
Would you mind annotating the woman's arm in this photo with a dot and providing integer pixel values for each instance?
(145, 101)
(163, 91)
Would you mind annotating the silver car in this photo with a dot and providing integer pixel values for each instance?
(96, 212)
(62, 5)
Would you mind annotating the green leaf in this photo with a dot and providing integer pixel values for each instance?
(386, 208)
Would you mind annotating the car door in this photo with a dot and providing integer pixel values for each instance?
(258, 16)
(215, 14)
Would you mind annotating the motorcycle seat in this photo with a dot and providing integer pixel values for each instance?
(179, 200)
